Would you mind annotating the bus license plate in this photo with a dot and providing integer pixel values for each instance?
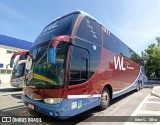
(31, 106)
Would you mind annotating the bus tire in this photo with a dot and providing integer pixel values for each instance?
(138, 86)
(105, 99)
(141, 85)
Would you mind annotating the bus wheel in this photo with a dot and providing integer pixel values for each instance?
(141, 85)
(138, 86)
(105, 99)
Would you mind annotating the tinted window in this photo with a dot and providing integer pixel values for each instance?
(84, 68)
(89, 30)
(113, 44)
(41, 56)
(127, 52)
(94, 54)
(109, 42)
(62, 26)
(53, 72)
(22, 57)
(121, 48)
(33, 53)
(61, 52)
(78, 66)
(20, 69)
(75, 69)
(137, 59)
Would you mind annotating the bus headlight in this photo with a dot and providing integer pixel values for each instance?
(53, 100)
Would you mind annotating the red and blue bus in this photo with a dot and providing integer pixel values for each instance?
(76, 64)
(17, 62)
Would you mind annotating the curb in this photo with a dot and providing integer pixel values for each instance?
(154, 91)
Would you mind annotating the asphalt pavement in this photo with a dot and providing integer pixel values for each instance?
(6, 86)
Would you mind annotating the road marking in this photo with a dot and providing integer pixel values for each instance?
(154, 102)
(13, 108)
(153, 97)
(154, 113)
(140, 106)
(138, 112)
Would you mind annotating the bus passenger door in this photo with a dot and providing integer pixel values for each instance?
(78, 76)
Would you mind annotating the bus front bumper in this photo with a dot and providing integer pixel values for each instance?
(67, 108)
(54, 110)
(17, 84)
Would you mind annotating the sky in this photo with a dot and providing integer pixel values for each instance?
(135, 22)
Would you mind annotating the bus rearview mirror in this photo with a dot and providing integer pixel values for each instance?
(51, 55)
(11, 62)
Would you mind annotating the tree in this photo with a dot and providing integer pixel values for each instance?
(158, 40)
(151, 57)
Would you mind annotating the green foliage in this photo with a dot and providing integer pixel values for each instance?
(151, 57)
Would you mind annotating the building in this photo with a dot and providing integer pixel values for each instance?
(8, 46)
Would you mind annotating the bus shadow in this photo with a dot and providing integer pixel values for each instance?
(17, 96)
(11, 90)
(122, 97)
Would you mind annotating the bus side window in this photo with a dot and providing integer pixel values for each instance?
(78, 72)
(109, 42)
(90, 30)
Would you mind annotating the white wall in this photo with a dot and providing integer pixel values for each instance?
(5, 60)
(5, 78)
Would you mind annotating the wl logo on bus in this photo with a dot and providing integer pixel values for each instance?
(120, 64)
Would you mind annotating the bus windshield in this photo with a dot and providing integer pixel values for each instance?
(61, 26)
(18, 70)
(44, 75)
(40, 74)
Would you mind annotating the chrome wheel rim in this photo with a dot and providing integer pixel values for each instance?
(105, 98)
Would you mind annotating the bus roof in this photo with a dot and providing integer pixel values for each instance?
(82, 13)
